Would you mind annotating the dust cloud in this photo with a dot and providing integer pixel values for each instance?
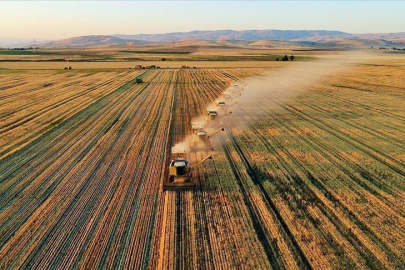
(254, 99)
(258, 98)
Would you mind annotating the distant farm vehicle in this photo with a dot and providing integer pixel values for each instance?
(67, 68)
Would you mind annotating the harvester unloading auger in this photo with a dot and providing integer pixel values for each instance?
(201, 140)
(213, 115)
(225, 114)
(231, 104)
(180, 171)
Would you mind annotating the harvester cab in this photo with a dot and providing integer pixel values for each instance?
(211, 115)
(179, 170)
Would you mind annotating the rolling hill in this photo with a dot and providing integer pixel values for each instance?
(91, 41)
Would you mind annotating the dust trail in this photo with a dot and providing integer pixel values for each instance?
(255, 101)
(181, 147)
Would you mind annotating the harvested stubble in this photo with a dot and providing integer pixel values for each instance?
(315, 183)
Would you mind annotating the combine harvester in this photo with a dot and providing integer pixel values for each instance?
(211, 115)
(201, 140)
(221, 104)
(180, 171)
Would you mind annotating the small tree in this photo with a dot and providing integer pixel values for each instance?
(163, 59)
(292, 57)
(285, 58)
(277, 59)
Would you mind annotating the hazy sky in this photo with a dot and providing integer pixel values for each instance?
(62, 19)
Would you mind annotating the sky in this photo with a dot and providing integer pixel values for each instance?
(63, 19)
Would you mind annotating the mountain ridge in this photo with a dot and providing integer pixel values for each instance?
(326, 37)
(250, 35)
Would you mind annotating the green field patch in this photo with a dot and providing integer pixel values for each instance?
(25, 52)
